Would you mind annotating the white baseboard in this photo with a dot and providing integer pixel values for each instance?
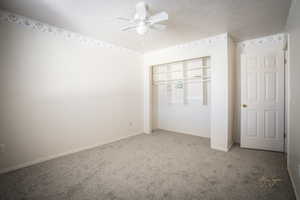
(183, 132)
(189, 133)
(221, 149)
(293, 183)
(40, 160)
(230, 146)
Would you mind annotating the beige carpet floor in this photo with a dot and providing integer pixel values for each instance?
(163, 165)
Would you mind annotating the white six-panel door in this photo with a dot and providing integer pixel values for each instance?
(262, 109)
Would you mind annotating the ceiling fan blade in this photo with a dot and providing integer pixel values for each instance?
(128, 27)
(141, 10)
(159, 17)
(124, 19)
(158, 27)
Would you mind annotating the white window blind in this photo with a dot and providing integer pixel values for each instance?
(179, 80)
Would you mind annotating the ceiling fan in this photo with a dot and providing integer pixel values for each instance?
(142, 21)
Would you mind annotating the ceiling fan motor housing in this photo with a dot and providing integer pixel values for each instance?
(142, 22)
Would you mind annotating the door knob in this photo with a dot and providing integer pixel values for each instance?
(244, 106)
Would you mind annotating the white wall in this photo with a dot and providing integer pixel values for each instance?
(182, 110)
(293, 27)
(59, 96)
(217, 49)
(272, 43)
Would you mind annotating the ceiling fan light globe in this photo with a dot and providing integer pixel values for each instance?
(142, 30)
(136, 17)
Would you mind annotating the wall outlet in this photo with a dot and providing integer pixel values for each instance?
(2, 148)
(299, 170)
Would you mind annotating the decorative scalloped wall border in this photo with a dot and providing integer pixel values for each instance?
(206, 41)
(43, 27)
(272, 39)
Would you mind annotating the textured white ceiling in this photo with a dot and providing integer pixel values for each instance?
(188, 19)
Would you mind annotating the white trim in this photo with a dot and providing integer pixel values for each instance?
(12, 18)
(147, 94)
(193, 134)
(288, 93)
(293, 184)
(40, 160)
(182, 132)
(230, 146)
(221, 149)
(216, 148)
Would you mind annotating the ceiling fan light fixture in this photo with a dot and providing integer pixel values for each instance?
(142, 29)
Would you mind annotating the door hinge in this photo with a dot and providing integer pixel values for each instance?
(284, 135)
